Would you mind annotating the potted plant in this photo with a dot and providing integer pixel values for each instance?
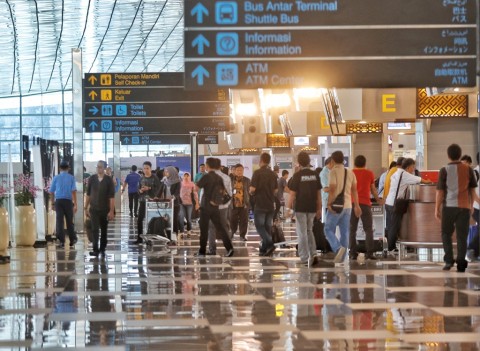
(25, 218)
(4, 222)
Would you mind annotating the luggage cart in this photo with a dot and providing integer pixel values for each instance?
(158, 208)
(379, 240)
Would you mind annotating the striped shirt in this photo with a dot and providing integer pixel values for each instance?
(456, 179)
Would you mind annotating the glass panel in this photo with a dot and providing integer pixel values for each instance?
(53, 134)
(10, 106)
(9, 134)
(32, 121)
(52, 121)
(9, 121)
(15, 147)
(68, 121)
(43, 104)
(36, 132)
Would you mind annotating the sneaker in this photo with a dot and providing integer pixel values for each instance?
(211, 253)
(131, 214)
(447, 266)
(94, 253)
(135, 215)
(340, 255)
(242, 238)
(270, 251)
(72, 243)
(353, 257)
(470, 257)
(312, 261)
(199, 254)
(229, 253)
(139, 241)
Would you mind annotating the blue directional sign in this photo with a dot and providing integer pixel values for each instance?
(154, 102)
(341, 43)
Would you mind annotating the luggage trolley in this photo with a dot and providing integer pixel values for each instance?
(158, 208)
(379, 240)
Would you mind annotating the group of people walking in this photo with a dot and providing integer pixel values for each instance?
(340, 197)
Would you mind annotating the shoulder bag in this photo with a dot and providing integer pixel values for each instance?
(400, 206)
(338, 203)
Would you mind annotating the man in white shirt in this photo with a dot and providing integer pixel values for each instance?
(406, 172)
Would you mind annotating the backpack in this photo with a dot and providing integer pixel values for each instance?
(158, 226)
(220, 195)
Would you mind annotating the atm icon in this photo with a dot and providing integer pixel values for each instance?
(135, 140)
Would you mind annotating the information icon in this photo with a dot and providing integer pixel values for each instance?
(226, 12)
(227, 44)
(106, 126)
(227, 74)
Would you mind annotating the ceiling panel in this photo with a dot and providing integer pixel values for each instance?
(37, 36)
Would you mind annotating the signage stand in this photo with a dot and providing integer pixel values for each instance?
(194, 153)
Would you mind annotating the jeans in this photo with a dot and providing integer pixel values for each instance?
(367, 222)
(239, 218)
(394, 224)
(133, 202)
(306, 241)
(458, 219)
(185, 213)
(211, 213)
(341, 219)
(213, 233)
(99, 222)
(64, 209)
(263, 223)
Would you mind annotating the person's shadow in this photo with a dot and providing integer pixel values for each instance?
(101, 332)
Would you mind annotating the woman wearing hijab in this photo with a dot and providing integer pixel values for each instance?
(188, 198)
(172, 190)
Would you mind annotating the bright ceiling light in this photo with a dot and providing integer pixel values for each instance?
(277, 100)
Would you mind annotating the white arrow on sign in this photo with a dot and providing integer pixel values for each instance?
(200, 41)
(199, 10)
(199, 73)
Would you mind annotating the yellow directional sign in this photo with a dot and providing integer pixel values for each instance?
(106, 94)
(92, 79)
(105, 79)
(92, 95)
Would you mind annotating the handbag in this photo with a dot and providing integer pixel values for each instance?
(400, 206)
(338, 203)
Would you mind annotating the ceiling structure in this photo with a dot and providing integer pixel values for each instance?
(37, 36)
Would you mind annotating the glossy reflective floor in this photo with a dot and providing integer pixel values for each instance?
(141, 299)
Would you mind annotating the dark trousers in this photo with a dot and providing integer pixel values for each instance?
(263, 223)
(99, 224)
(239, 218)
(64, 210)
(367, 228)
(475, 243)
(133, 202)
(141, 216)
(394, 224)
(458, 219)
(212, 213)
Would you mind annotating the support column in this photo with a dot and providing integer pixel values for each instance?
(194, 153)
(116, 169)
(77, 102)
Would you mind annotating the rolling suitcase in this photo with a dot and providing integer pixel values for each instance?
(319, 235)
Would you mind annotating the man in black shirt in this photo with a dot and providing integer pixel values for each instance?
(148, 189)
(305, 188)
(209, 211)
(263, 188)
(99, 205)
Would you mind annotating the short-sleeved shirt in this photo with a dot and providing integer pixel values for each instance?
(365, 179)
(456, 179)
(306, 184)
(337, 177)
(198, 176)
(407, 179)
(100, 192)
(282, 183)
(264, 180)
(208, 183)
(477, 170)
(324, 174)
(133, 179)
(63, 185)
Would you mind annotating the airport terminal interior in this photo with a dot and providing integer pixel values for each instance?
(174, 82)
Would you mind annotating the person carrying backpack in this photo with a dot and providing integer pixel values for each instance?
(212, 183)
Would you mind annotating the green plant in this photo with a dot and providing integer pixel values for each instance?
(3, 194)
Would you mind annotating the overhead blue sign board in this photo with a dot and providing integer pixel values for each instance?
(341, 43)
(154, 103)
